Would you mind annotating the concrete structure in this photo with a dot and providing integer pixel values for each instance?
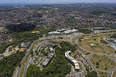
(75, 63)
(70, 31)
(54, 33)
(24, 45)
(61, 30)
(48, 60)
(114, 24)
(1, 57)
(113, 40)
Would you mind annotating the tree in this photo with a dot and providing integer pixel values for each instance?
(97, 63)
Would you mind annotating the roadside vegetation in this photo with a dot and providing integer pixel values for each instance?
(84, 30)
(102, 62)
(114, 74)
(102, 74)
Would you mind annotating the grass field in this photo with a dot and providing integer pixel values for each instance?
(102, 74)
(102, 62)
(73, 41)
(35, 44)
(114, 74)
(93, 44)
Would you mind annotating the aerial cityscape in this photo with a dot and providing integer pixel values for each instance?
(58, 38)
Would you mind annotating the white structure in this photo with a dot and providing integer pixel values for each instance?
(61, 30)
(70, 31)
(54, 33)
(75, 63)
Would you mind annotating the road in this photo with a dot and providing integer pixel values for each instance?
(87, 60)
(108, 71)
(26, 66)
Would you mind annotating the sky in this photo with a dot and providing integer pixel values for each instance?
(57, 1)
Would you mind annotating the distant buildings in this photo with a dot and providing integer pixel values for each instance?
(63, 31)
(114, 24)
(72, 60)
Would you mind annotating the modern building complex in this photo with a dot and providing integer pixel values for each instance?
(48, 60)
(49, 57)
(72, 60)
(63, 31)
(113, 40)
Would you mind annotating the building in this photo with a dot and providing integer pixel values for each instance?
(114, 24)
(54, 33)
(51, 50)
(70, 31)
(48, 60)
(61, 30)
(113, 40)
(72, 60)
(24, 45)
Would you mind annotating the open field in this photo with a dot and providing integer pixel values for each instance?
(1, 28)
(114, 74)
(102, 62)
(102, 74)
(108, 49)
(35, 44)
(84, 52)
(93, 44)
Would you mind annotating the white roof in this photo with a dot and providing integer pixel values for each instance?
(72, 59)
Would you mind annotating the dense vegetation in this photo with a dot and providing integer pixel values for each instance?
(13, 43)
(28, 36)
(20, 27)
(25, 36)
(58, 68)
(113, 36)
(9, 64)
(84, 30)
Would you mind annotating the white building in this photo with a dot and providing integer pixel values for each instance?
(75, 63)
(54, 33)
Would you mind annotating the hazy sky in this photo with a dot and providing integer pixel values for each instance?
(54, 1)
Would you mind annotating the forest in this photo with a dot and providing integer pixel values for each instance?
(9, 64)
(58, 68)
(20, 27)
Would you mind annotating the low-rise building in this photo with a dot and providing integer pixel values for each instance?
(48, 60)
(113, 40)
(54, 33)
